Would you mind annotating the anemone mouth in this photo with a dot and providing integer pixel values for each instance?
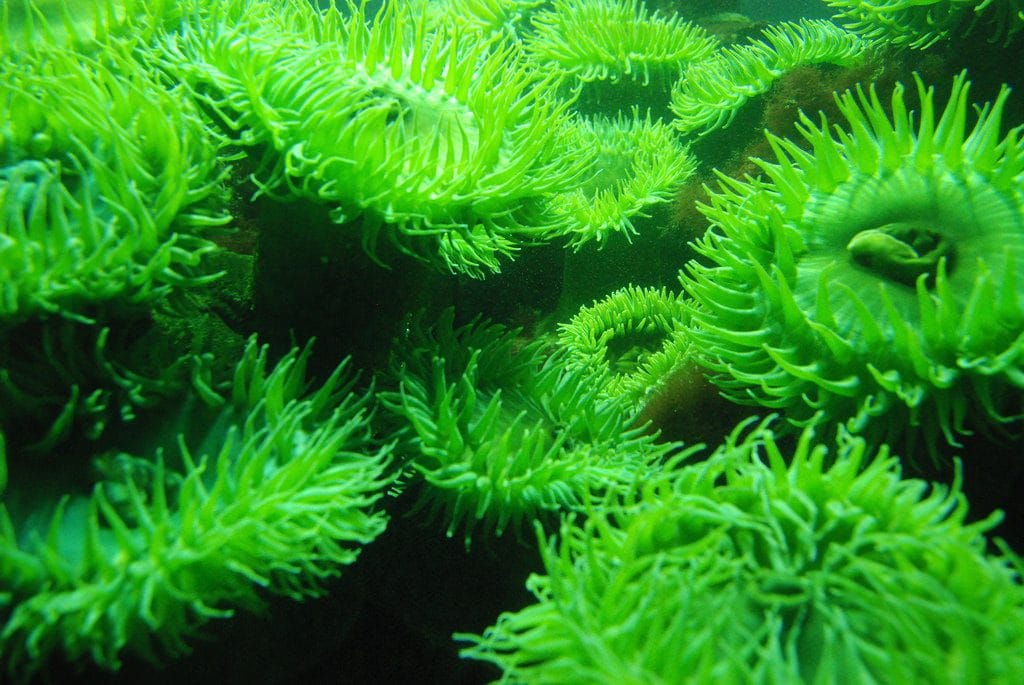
(637, 163)
(892, 229)
(627, 350)
(902, 252)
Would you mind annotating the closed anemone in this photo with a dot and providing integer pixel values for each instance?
(873, 275)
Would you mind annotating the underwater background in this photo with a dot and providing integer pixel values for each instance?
(459, 341)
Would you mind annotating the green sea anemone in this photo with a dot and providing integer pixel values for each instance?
(501, 19)
(107, 182)
(922, 23)
(639, 163)
(609, 40)
(635, 337)
(823, 565)
(502, 432)
(271, 491)
(447, 146)
(874, 276)
(712, 90)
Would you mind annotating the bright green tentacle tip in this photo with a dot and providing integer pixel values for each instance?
(875, 273)
(85, 25)
(818, 563)
(711, 91)
(267, 487)
(506, 20)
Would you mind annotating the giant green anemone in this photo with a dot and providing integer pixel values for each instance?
(762, 565)
(636, 337)
(501, 19)
(503, 433)
(639, 163)
(267, 487)
(107, 182)
(873, 274)
(450, 147)
(609, 40)
(712, 90)
(923, 23)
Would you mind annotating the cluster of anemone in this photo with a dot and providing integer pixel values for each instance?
(448, 148)
(817, 564)
(636, 338)
(502, 433)
(712, 90)
(110, 186)
(866, 285)
(924, 23)
(873, 275)
(108, 182)
(265, 486)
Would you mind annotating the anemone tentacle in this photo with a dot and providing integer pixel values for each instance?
(504, 20)
(503, 434)
(610, 40)
(108, 181)
(639, 163)
(924, 23)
